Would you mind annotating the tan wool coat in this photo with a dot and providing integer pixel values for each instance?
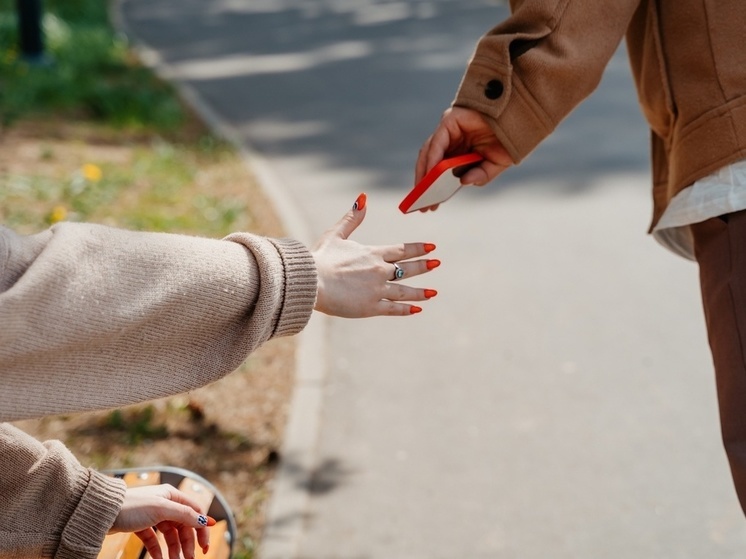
(688, 60)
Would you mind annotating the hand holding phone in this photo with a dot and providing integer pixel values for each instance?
(438, 185)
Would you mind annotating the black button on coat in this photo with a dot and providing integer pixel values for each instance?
(494, 89)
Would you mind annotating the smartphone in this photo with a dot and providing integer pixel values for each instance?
(439, 184)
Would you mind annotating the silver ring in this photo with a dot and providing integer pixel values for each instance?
(398, 272)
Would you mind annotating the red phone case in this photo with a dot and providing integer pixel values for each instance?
(429, 179)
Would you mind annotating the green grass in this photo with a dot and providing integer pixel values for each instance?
(94, 78)
(136, 426)
(157, 189)
(92, 74)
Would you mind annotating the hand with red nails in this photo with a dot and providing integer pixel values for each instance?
(173, 513)
(202, 307)
(358, 281)
(462, 131)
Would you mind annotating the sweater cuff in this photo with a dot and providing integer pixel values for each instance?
(92, 518)
(300, 286)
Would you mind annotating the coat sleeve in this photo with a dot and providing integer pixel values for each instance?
(531, 70)
(52, 506)
(95, 317)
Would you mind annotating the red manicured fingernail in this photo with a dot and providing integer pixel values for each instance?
(414, 310)
(360, 202)
(429, 247)
(206, 549)
(430, 293)
(432, 264)
(211, 521)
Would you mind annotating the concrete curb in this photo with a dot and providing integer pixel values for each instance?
(287, 510)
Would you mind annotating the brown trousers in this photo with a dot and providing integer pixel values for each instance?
(720, 248)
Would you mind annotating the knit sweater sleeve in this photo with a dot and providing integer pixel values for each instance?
(52, 506)
(530, 71)
(95, 317)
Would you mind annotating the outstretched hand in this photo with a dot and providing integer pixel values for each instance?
(358, 281)
(173, 513)
(461, 131)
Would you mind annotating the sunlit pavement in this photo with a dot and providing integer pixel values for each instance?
(556, 398)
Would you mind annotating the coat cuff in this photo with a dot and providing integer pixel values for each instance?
(515, 117)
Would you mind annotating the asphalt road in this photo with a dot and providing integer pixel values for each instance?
(556, 399)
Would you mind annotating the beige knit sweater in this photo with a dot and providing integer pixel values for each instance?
(93, 317)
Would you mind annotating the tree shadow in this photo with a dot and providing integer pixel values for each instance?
(330, 474)
(359, 85)
(145, 434)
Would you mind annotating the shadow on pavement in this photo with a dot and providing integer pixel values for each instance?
(359, 85)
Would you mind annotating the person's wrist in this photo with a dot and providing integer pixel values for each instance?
(320, 302)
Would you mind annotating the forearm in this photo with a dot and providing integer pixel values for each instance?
(95, 317)
(529, 72)
(52, 506)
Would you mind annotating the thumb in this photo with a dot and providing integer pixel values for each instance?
(352, 219)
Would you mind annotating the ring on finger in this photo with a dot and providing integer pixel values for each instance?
(398, 272)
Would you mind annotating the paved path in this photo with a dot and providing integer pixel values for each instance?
(556, 399)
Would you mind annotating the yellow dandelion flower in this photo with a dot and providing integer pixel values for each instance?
(59, 213)
(92, 172)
